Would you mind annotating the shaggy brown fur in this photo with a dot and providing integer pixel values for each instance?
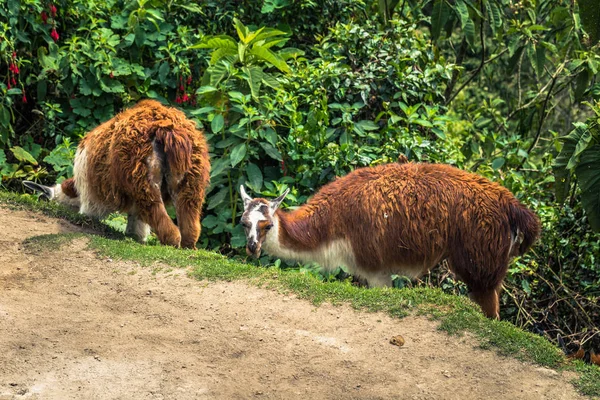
(140, 160)
(406, 218)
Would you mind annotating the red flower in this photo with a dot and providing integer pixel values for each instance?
(111, 75)
(13, 68)
(44, 17)
(185, 98)
(8, 84)
(54, 35)
(24, 98)
(14, 54)
(189, 79)
(181, 87)
(14, 81)
(178, 99)
(53, 10)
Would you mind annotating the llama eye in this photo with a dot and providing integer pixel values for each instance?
(268, 227)
(245, 225)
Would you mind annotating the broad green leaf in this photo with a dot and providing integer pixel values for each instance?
(463, 12)
(111, 85)
(270, 57)
(271, 34)
(588, 177)
(237, 154)
(290, 52)
(269, 135)
(210, 221)
(255, 177)
(218, 198)
(439, 16)
(227, 142)
(242, 31)
(494, 15)
(163, 71)
(217, 123)
(2, 157)
(498, 163)
(217, 42)
(540, 59)
(238, 236)
(559, 166)
(218, 167)
(218, 54)
(582, 83)
(469, 30)
(206, 89)
(216, 74)
(22, 155)
(270, 80)
(254, 76)
(252, 35)
(271, 151)
(270, 5)
(368, 125)
(584, 142)
(4, 116)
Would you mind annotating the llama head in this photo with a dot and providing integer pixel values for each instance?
(258, 219)
(46, 192)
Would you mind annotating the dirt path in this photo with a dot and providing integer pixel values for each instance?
(73, 326)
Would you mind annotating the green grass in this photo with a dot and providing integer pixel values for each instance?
(456, 314)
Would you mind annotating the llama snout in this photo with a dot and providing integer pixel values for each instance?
(253, 248)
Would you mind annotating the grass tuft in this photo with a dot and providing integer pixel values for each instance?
(456, 314)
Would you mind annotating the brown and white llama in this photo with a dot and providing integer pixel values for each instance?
(401, 219)
(145, 157)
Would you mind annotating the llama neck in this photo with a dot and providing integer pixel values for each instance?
(296, 234)
(308, 235)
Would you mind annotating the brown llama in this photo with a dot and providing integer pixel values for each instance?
(145, 157)
(401, 218)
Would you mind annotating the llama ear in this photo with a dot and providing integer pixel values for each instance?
(247, 199)
(274, 204)
(46, 191)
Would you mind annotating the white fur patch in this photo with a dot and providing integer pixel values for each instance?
(334, 254)
(329, 256)
(254, 217)
(59, 196)
(82, 184)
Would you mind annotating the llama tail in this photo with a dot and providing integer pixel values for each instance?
(177, 147)
(525, 224)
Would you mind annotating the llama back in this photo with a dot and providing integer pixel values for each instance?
(418, 214)
(147, 137)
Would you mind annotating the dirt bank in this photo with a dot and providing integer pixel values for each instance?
(74, 326)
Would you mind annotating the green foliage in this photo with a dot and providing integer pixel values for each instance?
(244, 61)
(580, 156)
(366, 97)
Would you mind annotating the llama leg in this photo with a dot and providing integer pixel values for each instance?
(137, 228)
(188, 220)
(155, 215)
(488, 301)
(484, 279)
(187, 193)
